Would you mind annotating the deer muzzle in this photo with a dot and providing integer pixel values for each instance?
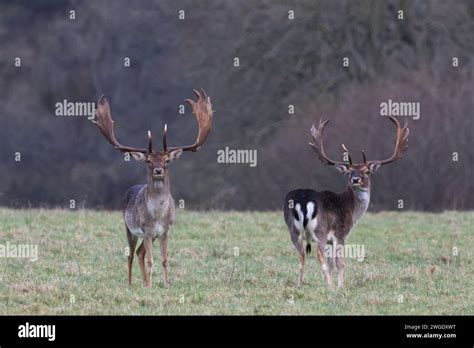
(158, 173)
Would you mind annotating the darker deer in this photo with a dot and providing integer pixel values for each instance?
(326, 217)
(149, 209)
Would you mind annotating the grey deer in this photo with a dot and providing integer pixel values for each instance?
(327, 218)
(149, 209)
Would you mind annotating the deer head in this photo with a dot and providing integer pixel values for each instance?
(358, 174)
(158, 161)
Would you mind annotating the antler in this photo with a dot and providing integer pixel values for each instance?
(106, 126)
(317, 134)
(202, 110)
(401, 144)
(348, 154)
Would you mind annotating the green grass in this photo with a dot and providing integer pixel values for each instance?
(81, 256)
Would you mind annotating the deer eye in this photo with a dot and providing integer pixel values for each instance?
(167, 160)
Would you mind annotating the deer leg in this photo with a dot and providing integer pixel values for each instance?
(164, 258)
(141, 262)
(331, 247)
(322, 261)
(301, 264)
(296, 238)
(148, 245)
(132, 243)
(340, 265)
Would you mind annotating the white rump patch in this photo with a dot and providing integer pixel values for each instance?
(312, 223)
(299, 223)
(310, 210)
(308, 232)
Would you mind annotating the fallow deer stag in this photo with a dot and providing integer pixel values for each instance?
(326, 217)
(149, 209)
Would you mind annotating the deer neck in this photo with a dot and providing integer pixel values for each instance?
(157, 194)
(361, 200)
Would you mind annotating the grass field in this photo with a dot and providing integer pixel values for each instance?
(81, 268)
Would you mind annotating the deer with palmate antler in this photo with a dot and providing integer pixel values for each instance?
(149, 209)
(326, 217)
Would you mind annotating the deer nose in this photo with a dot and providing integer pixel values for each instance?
(355, 180)
(157, 171)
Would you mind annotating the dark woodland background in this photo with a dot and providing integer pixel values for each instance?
(282, 62)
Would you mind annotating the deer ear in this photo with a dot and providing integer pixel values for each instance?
(138, 156)
(342, 168)
(173, 155)
(374, 166)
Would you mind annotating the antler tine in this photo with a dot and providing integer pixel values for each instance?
(150, 143)
(363, 156)
(318, 146)
(401, 143)
(202, 111)
(106, 126)
(165, 145)
(348, 154)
